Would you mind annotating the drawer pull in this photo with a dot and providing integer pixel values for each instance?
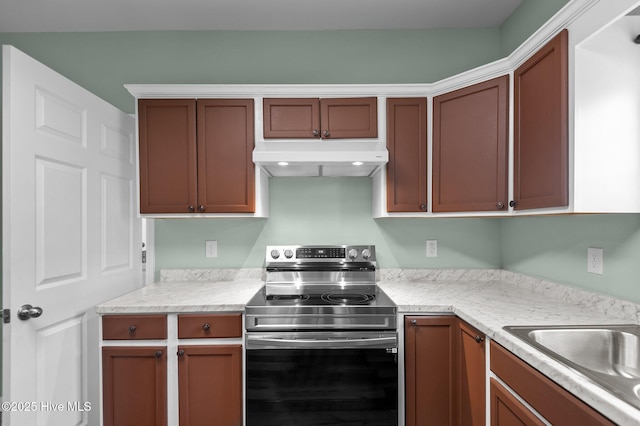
(132, 329)
(206, 326)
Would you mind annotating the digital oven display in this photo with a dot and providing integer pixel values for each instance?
(320, 253)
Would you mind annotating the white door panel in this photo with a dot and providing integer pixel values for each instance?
(71, 238)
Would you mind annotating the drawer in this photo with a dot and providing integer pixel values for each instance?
(134, 327)
(202, 326)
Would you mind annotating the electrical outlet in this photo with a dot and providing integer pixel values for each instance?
(595, 260)
(432, 248)
(211, 248)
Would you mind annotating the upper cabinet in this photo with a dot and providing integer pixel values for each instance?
(195, 156)
(326, 118)
(407, 145)
(540, 128)
(470, 145)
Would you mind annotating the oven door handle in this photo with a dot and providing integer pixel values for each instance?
(269, 342)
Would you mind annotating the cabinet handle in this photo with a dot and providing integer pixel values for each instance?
(180, 353)
(158, 354)
(191, 209)
(499, 205)
(327, 133)
(513, 203)
(206, 326)
(132, 329)
(316, 133)
(414, 322)
(201, 208)
(479, 339)
(423, 207)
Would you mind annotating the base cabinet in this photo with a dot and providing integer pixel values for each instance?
(506, 410)
(444, 372)
(134, 385)
(184, 369)
(210, 385)
(552, 402)
(472, 376)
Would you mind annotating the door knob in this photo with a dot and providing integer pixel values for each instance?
(27, 311)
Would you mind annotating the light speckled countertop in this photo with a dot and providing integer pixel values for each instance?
(486, 299)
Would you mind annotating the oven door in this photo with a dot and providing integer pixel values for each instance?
(322, 378)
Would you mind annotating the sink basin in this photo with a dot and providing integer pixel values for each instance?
(609, 355)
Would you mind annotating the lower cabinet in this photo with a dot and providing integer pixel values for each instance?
(134, 385)
(506, 410)
(201, 356)
(444, 372)
(210, 385)
(552, 402)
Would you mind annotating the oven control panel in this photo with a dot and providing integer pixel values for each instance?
(346, 253)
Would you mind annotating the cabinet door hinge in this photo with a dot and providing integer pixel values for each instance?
(6, 318)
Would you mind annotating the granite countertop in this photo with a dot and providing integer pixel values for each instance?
(486, 299)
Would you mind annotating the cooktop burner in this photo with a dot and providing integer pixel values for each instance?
(320, 299)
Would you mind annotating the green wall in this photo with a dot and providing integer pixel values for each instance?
(525, 20)
(104, 62)
(327, 211)
(555, 248)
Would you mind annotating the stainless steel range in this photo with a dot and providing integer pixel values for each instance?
(321, 340)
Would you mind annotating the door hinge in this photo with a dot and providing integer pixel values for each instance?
(6, 318)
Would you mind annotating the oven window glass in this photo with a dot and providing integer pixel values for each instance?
(315, 387)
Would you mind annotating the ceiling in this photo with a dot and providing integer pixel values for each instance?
(143, 15)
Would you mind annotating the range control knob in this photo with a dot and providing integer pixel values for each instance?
(275, 254)
(288, 253)
(353, 253)
(366, 254)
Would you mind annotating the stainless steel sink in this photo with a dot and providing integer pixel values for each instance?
(607, 354)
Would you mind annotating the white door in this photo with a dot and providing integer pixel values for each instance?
(70, 239)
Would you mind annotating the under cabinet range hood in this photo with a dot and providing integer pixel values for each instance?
(320, 158)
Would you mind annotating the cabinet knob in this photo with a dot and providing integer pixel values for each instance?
(206, 326)
(191, 209)
(158, 354)
(316, 133)
(201, 208)
(327, 133)
(423, 207)
(132, 329)
(180, 353)
(479, 339)
(513, 203)
(414, 322)
(499, 205)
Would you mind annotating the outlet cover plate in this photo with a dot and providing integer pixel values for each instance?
(432, 248)
(595, 260)
(211, 248)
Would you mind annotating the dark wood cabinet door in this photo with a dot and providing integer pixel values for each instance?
(344, 118)
(430, 370)
(167, 139)
(291, 118)
(407, 145)
(472, 374)
(210, 385)
(540, 126)
(506, 410)
(554, 403)
(225, 145)
(470, 147)
(134, 386)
